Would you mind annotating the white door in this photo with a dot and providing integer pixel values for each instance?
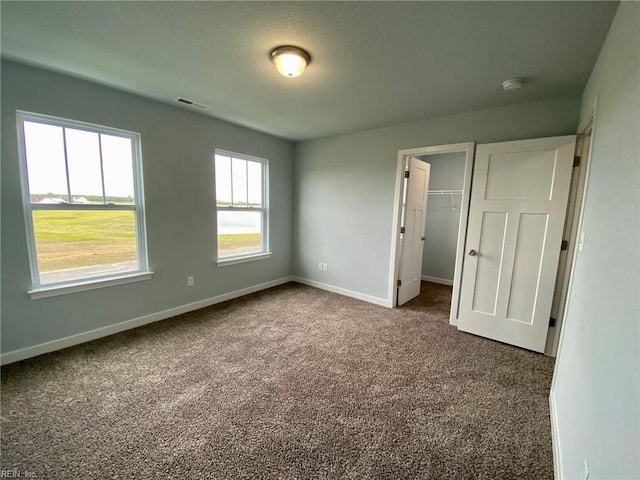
(415, 213)
(518, 206)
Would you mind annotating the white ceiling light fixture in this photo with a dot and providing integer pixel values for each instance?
(290, 61)
(512, 84)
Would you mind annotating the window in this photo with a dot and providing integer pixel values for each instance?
(82, 191)
(241, 206)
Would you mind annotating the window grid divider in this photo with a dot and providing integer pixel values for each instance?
(231, 174)
(82, 206)
(104, 193)
(66, 163)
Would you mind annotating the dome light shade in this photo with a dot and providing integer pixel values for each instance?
(511, 84)
(290, 61)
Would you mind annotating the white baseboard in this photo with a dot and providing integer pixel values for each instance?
(343, 291)
(61, 343)
(555, 438)
(441, 281)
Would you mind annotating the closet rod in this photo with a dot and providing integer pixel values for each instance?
(444, 192)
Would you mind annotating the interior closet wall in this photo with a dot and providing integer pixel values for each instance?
(443, 216)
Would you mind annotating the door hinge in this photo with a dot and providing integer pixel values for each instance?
(576, 161)
(564, 245)
(406, 174)
(399, 283)
(552, 322)
(402, 229)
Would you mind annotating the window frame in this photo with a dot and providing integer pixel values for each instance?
(265, 251)
(43, 290)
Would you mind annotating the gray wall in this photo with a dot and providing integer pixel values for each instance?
(344, 186)
(177, 150)
(443, 215)
(596, 384)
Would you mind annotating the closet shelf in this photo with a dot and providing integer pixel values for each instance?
(444, 192)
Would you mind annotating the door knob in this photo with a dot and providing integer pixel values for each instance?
(473, 253)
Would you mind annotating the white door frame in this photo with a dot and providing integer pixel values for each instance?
(554, 346)
(394, 263)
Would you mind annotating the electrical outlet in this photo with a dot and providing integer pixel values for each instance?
(190, 281)
(325, 267)
(585, 472)
(320, 266)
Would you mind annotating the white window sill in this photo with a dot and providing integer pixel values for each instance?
(89, 284)
(223, 262)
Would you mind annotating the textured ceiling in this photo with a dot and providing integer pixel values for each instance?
(373, 63)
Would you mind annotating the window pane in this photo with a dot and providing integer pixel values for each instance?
(254, 177)
(79, 244)
(223, 181)
(239, 233)
(46, 170)
(83, 160)
(239, 182)
(117, 168)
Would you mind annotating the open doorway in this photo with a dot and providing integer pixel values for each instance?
(457, 195)
(438, 190)
(443, 216)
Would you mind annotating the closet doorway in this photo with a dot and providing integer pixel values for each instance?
(524, 154)
(446, 220)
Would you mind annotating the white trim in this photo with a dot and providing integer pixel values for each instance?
(264, 209)
(76, 124)
(26, 199)
(465, 204)
(592, 117)
(343, 291)
(589, 123)
(468, 148)
(394, 258)
(555, 438)
(240, 156)
(74, 207)
(28, 206)
(61, 343)
(441, 281)
(84, 285)
(224, 262)
(571, 234)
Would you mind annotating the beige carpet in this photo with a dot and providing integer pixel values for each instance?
(289, 383)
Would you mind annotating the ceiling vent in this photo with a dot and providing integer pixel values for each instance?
(191, 103)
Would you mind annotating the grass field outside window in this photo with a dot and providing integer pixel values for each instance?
(70, 240)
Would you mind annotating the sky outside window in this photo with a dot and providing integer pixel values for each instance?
(47, 172)
(44, 148)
